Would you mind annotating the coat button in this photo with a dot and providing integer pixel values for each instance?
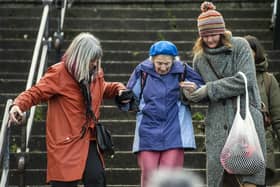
(225, 127)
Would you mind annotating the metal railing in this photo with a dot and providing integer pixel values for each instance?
(275, 23)
(4, 145)
(42, 45)
(274, 13)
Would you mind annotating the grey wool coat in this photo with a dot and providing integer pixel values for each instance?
(222, 95)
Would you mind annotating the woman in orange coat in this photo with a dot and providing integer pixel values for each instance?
(71, 154)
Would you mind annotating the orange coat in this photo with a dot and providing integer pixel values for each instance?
(66, 151)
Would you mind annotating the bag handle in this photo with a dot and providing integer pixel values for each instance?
(246, 95)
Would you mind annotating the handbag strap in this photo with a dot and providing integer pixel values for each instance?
(245, 80)
(89, 113)
(246, 95)
(213, 69)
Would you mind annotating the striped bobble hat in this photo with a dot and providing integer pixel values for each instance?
(210, 21)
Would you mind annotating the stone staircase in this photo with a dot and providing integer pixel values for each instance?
(126, 30)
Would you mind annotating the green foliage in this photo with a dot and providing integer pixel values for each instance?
(13, 146)
(38, 114)
(198, 116)
(135, 53)
(160, 36)
(170, 15)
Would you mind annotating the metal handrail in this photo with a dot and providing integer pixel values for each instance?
(38, 43)
(4, 126)
(274, 13)
(41, 66)
(276, 25)
(32, 110)
(4, 144)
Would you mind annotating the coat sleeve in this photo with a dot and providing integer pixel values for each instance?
(234, 85)
(274, 103)
(41, 92)
(111, 89)
(193, 76)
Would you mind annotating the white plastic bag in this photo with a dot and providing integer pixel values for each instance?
(242, 153)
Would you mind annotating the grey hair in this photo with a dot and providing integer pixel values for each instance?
(173, 178)
(177, 58)
(83, 49)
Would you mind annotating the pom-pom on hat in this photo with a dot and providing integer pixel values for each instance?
(210, 21)
(163, 48)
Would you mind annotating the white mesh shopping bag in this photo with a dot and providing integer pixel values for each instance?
(242, 152)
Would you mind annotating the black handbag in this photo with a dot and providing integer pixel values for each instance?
(104, 140)
(103, 135)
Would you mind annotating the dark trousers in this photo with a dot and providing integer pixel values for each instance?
(94, 174)
(230, 180)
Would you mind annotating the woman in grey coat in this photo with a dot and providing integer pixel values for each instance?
(218, 57)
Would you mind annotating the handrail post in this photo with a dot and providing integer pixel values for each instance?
(276, 40)
(58, 35)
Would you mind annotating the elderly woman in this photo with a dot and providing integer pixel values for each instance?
(72, 154)
(218, 57)
(163, 123)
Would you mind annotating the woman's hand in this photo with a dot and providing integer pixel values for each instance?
(16, 115)
(125, 96)
(188, 86)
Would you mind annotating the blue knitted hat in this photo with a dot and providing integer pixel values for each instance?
(163, 48)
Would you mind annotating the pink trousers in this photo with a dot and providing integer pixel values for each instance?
(149, 161)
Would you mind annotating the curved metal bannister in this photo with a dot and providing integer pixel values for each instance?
(42, 44)
(274, 13)
(4, 145)
(275, 22)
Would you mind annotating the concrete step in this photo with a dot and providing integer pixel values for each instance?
(122, 159)
(109, 55)
(142, 35)
(121, 177)
(192, 11)
(122, 142)
(133, 23)
(108, 66)
(149, 3)
(10, 77)
(116, 126)
(113, 45)
(18, 85)
(124, 67)
(108, 113)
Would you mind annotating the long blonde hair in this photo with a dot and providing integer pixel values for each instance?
(83, 49)
(199, 44)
